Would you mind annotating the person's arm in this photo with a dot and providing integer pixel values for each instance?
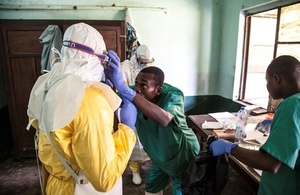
(152, 111)
(256, 159)
(149, 109)
(101, 155)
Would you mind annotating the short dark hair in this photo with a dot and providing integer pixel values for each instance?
(159, 75)
(286, 66)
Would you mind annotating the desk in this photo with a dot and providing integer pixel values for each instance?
(248, 173)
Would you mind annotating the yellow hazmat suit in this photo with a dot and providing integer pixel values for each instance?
(78, 111)
(87, 143)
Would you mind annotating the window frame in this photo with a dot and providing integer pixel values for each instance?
(243, 43)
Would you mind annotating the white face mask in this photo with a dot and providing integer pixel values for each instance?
(141, 66)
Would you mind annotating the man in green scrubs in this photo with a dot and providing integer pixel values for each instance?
(161, 126)
(279, 156)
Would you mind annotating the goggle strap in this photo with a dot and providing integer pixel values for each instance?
(83, 48)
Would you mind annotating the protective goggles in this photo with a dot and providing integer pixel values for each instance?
(71, 44)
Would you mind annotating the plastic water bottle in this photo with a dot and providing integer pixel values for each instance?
(240, 133)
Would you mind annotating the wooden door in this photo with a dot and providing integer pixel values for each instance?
(20, 59)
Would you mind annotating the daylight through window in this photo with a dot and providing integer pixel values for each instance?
(268, 34)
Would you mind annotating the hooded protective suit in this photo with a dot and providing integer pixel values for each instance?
(142, 58)
(77, 111)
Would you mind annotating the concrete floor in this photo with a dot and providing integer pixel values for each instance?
(20, 177)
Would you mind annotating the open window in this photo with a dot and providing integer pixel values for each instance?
(268, 34)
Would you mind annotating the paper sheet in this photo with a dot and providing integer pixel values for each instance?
(229, 120)
(222, 115)
(212, 125)
(255, 135)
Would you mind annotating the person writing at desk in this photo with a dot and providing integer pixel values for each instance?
(161, 126)
(279, 156)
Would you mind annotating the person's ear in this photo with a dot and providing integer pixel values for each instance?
(277, 78)
(158, 90)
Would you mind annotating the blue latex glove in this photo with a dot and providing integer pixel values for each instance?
(116, 76)
(128, 113)
(264, 126)
(221, 146)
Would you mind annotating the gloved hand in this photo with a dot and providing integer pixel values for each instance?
(128, 113)
(221, 146)
(264, 126)
(116, 76)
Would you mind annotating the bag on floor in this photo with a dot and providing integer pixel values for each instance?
(206, 174)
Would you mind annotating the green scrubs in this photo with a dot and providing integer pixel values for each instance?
(170, 148)
(284, 144)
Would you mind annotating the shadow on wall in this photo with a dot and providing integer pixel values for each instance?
(204, 104)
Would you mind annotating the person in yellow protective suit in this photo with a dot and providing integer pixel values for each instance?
(72, 109)
(143, 57)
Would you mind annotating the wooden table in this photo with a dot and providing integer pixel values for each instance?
(248, 173)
